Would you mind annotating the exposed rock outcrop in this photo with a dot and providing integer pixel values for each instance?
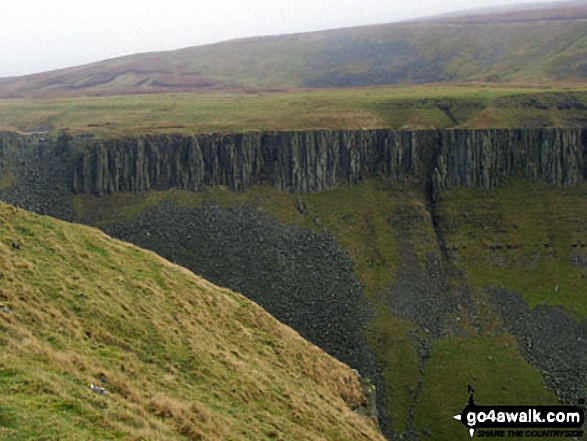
(41, 171)
(483, 158)
(317, 160)
(9, 143)
(291, 264)
(314, 161)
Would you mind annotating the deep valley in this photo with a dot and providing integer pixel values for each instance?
(427, 260)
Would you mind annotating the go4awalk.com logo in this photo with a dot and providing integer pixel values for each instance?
(522, 421)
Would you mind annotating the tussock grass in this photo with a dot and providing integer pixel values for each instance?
(360, 217)
(183, 358)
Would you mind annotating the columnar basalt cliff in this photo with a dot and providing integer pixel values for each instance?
(483, 158)
(317, 160)
(9, 142)
(291, 161)
(313, 161)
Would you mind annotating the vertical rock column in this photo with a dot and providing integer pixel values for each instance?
(241, 160)
(318, 160)
(485, 158)
(10, 145)
(3, 154)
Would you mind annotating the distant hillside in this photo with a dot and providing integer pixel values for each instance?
(181, 358)
(523, 11)
(523, 45)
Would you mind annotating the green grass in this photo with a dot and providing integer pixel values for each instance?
(7, 180)
(398, 359)
(184, 359)
(360, 218)
(492, 364)
(472, 106)
(522, 237)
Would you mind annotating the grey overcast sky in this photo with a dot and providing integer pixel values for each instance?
(41, 35)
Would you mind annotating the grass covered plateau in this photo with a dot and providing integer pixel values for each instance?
(416, 107)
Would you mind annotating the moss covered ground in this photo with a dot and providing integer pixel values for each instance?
(525, 236)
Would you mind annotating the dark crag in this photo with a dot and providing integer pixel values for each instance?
(314, 161)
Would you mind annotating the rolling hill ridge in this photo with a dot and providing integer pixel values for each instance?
(537, 45)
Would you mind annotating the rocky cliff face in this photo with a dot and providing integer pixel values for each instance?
(35, 174)
(284, 271)
(3, 154)
(483, 158)
(317, 160)
(292, 161)
(8, 143)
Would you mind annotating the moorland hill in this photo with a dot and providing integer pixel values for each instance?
(541, 44)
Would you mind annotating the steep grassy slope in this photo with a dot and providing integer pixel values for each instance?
(416, 107)
(517, 46)
(440, 323)
(182, 358)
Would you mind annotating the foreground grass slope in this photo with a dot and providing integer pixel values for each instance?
(183, 359)
(417, 107)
